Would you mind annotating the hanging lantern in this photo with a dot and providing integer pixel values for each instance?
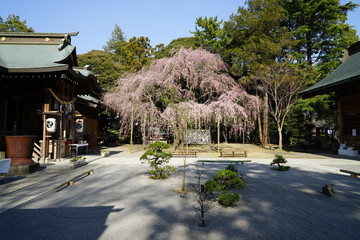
(79, 126)
(51, 125)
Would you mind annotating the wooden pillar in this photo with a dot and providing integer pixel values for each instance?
(45, 141)
(70, 96)
(340, 118)
(5, 113)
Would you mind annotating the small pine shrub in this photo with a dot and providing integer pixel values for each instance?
(212, 186)
(279, 160)
(156, 157)
(232, 168)
(225, 181)
(228, 199)
(228, 180)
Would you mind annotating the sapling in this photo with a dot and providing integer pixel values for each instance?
(156, 157)
(203, 198)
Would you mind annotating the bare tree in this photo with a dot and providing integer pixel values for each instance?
(282, 82)
(203, 198)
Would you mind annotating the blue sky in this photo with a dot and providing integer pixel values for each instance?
(159, 20)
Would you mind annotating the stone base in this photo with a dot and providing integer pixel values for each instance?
(77, 164)
(23, 169)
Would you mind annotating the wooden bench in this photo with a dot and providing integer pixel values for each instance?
(184, 154)
(233, 154)
(4, 166)
(224, 161)
(352, 173)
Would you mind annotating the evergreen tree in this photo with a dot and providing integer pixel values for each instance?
(133, 54)
(210, 35)
(322, 33)
(321, 30)
(103, 66)
(174, 46)
(257, 36)
(137, 53)
(258, 39)
(14, 24)
(116, 44)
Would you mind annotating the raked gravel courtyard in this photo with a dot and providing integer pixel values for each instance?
(119, 201)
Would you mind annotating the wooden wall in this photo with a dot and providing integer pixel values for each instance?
(349, 118)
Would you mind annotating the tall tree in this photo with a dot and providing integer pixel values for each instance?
(14, 24)
(322, 32)
(116, 44)
(137, 53)
(257, 35)
(133, 54)
(258, 38)
(103, 65)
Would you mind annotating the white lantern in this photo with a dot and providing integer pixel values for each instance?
(79, 126)
(51, 125)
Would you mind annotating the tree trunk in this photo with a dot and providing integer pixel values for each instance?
(224, 133)
(313, 122)
(183, 188)
(218, 135)
(144, 131)
(177, 136)
(243, 136)
(266, 120)
(260, 129)
(280, 138)
(131, 128)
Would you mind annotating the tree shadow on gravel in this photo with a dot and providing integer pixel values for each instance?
(273, 205)
(285, 205)
(55, 223)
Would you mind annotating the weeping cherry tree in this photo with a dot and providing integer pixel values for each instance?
(191, 88)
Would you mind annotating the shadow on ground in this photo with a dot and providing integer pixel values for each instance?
(55, 223)
(121, 202)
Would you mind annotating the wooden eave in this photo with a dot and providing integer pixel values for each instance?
(35, 38)
(38, 70)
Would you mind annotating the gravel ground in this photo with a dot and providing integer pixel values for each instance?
(119, 201)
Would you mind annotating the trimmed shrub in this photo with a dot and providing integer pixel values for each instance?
(279, 160)
(156, 157)
(232, 168)
(228, 199)
(224, 181)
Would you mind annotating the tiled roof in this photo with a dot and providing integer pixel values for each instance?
(26, 57)
(44, 52)
(347, 74)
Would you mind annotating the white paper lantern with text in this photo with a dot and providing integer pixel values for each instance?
(79, 126)
(51, 125)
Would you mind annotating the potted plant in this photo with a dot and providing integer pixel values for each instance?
(77, 161)
(104, 152)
